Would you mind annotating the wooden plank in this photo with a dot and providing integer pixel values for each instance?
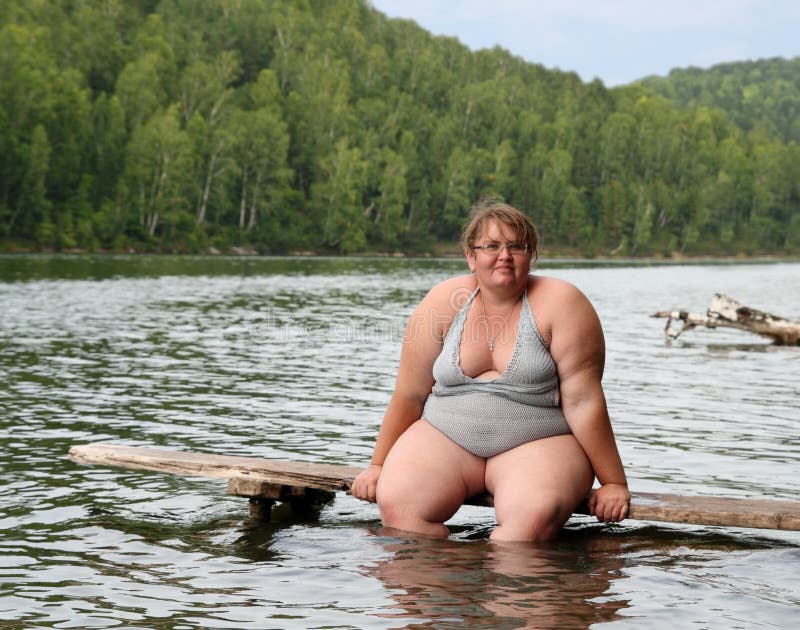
(281, 480)
(298, 475)
(706, 510)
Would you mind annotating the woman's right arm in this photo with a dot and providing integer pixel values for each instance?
(401, 413)
(422, 343)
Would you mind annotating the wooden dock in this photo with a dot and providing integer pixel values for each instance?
(304, 484)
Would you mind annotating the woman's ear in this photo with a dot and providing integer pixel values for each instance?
(470, 256)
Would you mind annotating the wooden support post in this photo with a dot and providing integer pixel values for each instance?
(261, 509)
(264, 493)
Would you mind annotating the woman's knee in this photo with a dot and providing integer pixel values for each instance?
(394, 501)
(425, 479)
(408, 498)
(402, 509)
(537, 519)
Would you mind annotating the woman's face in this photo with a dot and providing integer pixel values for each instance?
(498, 269)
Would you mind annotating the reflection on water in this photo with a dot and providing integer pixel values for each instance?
(587, 578)
(506, 585)
(296, 359)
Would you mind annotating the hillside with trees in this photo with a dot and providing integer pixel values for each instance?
(309, 125)
(762, 94)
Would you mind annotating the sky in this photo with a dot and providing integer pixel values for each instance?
(617, 41)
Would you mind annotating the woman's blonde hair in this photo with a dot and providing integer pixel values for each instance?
(493, 207)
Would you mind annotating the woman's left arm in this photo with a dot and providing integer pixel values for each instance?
(578, 349)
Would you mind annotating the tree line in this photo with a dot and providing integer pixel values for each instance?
(296, 125)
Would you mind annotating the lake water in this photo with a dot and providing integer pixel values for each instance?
(295, 358)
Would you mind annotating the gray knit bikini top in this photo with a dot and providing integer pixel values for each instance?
(488, 417)
(530, 377)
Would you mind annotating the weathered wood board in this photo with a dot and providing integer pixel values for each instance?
(267, 480)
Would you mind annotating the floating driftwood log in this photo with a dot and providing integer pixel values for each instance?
(725, 312)
(303, 484)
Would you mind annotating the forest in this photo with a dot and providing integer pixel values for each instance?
(284, 126)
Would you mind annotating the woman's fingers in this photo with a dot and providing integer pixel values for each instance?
(609, 506)
(365, 485)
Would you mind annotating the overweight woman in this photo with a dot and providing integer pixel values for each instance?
(498, 390)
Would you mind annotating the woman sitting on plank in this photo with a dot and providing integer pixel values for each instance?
(499, 390)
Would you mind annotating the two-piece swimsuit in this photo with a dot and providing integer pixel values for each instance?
(489, 417)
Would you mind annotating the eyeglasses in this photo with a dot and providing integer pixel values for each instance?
(494, 249)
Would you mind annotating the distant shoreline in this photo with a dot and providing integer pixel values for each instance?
(545, 257)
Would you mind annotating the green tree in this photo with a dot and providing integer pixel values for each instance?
(156, 172)
(145, 83)
(25, 101)
(205, 104)
(459, 191)
(32, 212)
(109, 137)
(387, 211)
(261, 153)
(337, 196)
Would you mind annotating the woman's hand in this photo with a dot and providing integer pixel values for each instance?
(610, 502)
(366, 483)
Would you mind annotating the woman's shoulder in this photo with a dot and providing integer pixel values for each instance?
(453, 292)
(555, 294)
(555, 286)
(438, 308)
(464, 281)
(448, 296)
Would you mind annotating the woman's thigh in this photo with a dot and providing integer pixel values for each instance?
(429, 474)
(553, 469)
